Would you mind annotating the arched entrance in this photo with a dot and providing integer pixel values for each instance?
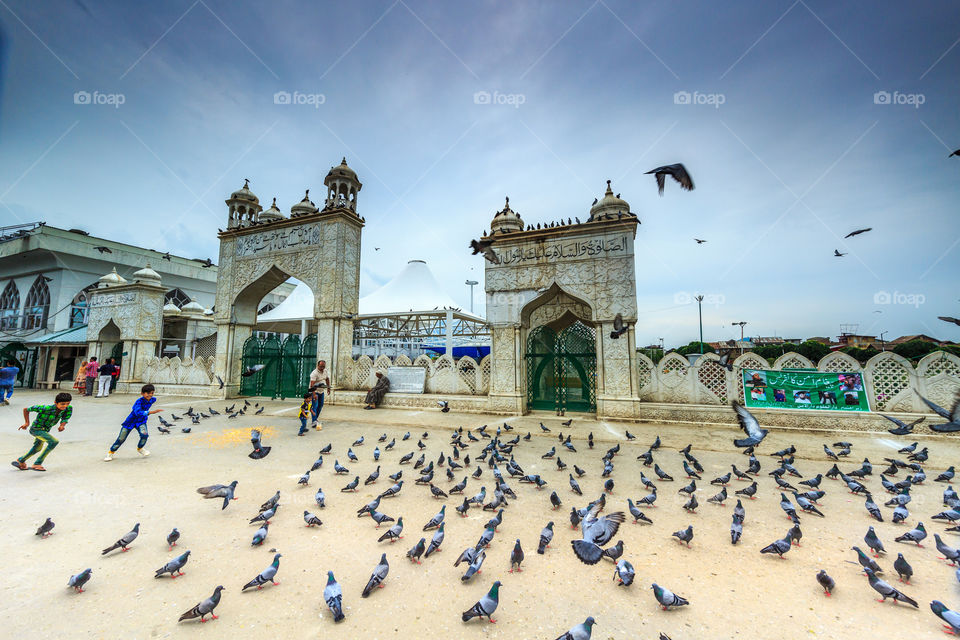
(562, 368)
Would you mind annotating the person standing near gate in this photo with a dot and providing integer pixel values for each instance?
(106, 377)
(8, 377)
(91, 373)
(319, 383)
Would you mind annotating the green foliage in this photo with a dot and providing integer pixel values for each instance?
(914, 349)
(813, 351)
(860, 355)
(694, 347)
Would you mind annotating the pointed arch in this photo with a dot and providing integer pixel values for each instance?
(37, 305)
(80, 306)
(9, 306)
(177, 297)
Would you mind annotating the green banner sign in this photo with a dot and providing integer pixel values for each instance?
(804, 390)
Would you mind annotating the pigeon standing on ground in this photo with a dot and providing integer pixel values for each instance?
(684, 535)
(581, 631)
(125, 541)
(260, 535)
(311, 519)
(267, 575)
(378, 576)
(333, 596)
(516, 558)
(666, 598)
(903, 568)
(624, 572)
(435, 542)
(952, 618)
(393, 533)
(79, 580)
(485, 606)
(826, 582)
(46, 529)
(174, 566)
(779, 547)
(545, 537)
(887, 591)
(204, 608)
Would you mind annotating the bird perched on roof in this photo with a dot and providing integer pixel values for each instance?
(103, 250)
(676, 171)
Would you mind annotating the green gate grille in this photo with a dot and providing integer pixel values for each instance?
(562, 368)
(287, 369)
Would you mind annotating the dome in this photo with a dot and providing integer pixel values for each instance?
(507, 220)
(146, 275)
(244, 193)
(343, 171)
(111, 279)
(609, 206)
(192, 307)
(171, 309)
(272, 214)
(303, 207)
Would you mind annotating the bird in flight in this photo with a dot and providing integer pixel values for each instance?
(676, 171)
(103, 249)
(699, 241)
(837, 254)
(955, 321)
(165, 256)
(483, 246)
(206, 263)
(619, 328)
(249, 371)
(376, 248)
(955, 153)
(857, 232)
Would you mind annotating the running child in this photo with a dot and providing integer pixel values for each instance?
(47, 416)
(136, 420)
(305, 412)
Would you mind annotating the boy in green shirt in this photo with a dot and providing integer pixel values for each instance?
(47, 416)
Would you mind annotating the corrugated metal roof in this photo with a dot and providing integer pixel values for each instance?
(73, 335)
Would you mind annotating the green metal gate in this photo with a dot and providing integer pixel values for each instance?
(562, 368)
(287, 370)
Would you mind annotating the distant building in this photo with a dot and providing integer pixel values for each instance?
(921, 337)
(857, 341)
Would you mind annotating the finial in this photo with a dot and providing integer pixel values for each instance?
(507, 206)
(274, 201)
(246, 183)
(344, 161)
(609, 190)
(306, 196)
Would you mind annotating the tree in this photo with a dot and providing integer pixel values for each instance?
(914, 349)
(812, 351)
(694, 347)
(861, 355)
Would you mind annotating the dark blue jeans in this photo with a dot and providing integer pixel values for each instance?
(316, 406)
(124, 432)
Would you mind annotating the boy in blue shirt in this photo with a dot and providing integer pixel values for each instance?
(136, 420)
(8, 377)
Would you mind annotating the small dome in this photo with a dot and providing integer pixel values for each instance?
(111, 279)
(506, 220)
(244, 193)
(272, 214)
(146, 275)
(192, 307)
(303, 207)
(342, 170)
(609, 206)
(171, 309)
(208, 312)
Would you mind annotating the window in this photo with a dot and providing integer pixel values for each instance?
(267, 307)
(9, 306)
(80, 306)
(177, 297)
(37, 306)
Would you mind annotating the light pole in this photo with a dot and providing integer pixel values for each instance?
(883, 345)
(470, 284)
(741, 324)
(700, 314)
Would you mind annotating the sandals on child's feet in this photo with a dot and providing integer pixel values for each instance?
(19, 465)
(37, 467)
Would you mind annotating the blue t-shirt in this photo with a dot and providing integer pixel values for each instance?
(8, 376)
(139, 412)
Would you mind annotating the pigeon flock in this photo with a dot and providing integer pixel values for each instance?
(479, 472)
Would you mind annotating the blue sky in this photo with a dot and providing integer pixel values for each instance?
(806, 120)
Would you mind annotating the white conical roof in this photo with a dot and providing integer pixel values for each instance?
(296, 306)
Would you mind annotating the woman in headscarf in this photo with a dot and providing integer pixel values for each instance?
(81, 378)
(375, 395)
(319, 383)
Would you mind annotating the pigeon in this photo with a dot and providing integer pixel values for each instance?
(435, 542)
(857, 232)
(691, 504)
(903, 568)
(750, 426)
(949, 553)
(874, 542)
(79, 580)
(690, 488)
(271, 503)
(204, 607)
(719, 498)
(624, 573)
(719, 480)
(267, 575)
(124, 541)
(378, 576)
(304, 479)
(914, 535)
(487, 536)
(311, 519)
(887, 591)
(750, 491)
(264, 516)
(103, 250)
(739, 512)
(485, 606)
(837, 254)
(546, 536)
(866, 561)
(469, 555)
(952, 618)
(437, 492)
(475, 564)
(676, 171)
(779, 547)
(516, 558)
(333, 596)
(902, 428)
(684, 535)
(372, 477)
(393, 533)
(614, 552)
(946, 476)
(596, 531)
(826, 582)
(46, 529)
(249, 371)
(260, 535)
(417, 551)
(380, 518)
(220, 491)
(619, 328)
(662, 474)
(338, 468)
(666, 598)
(320, 498)
(174, 566)
(574, 486)
(436, 520)
(806, 505)
(583, 630)
(555, 499)
(736, 529)
(953, 416)
(484, 247)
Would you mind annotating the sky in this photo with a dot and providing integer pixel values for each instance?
(800, 121)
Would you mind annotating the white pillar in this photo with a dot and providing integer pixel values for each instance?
(449, 333)
(303, 330)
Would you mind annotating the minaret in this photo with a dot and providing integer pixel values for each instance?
(244, 207)
(342, 188)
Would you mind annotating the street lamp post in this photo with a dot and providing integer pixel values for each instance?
(700, 314)
(741, 324)
(470, 284)
(883, 345)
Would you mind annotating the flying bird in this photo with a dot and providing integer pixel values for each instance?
(699, 241)
(750, 426)
(249, 371)
(676, 171)
(484, 247)
(103, 250)
(857, 232)
(837, 254)
(619, 328)
(953, 416)
(955, 321)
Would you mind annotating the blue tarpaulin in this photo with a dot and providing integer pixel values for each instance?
(477, 353)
